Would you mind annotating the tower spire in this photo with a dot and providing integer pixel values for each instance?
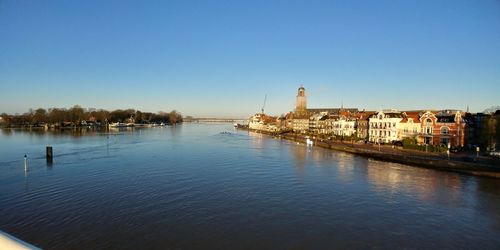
(301, 104)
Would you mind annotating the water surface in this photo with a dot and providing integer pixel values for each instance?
(194, 187)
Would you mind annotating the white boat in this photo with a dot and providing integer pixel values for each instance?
(120, 125)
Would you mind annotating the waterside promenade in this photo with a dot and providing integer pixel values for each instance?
(461, 163)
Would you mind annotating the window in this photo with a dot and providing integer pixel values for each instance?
(405, 130)
(445, 141)
(428, 130)
(445, 130)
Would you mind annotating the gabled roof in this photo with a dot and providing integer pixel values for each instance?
(388, 114)
(333, 110)
(364, 115)
(414, 115)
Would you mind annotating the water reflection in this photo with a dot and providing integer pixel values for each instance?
(237, 189)
(54, 133)
(257, 141)
(6, 132)
(299, 153)
(489, 200)
(425, 184)
(345, 166)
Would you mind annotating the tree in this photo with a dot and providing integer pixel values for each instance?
(40, 116)
(57, 116)
(489, 132)
(101, 115)
(77, 114)
(138, 117)
(174, 117)
(6, 119)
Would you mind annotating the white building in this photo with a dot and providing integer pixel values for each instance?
(317, 123)
(343, 126)
(384, 126)
(263, 122)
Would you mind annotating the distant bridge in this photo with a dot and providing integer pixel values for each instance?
(232, 120)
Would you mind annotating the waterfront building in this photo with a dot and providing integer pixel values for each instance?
(472, 134)
(317, 123)
(281, 122)
(362, 124)
(264, 122)
(384, 126)
(332, 111)
(410, 125)
(344, 124)
(300, 124)
(444, 127)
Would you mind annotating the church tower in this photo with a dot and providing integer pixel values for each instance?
(301, 104)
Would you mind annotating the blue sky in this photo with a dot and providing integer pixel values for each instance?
(219, 58)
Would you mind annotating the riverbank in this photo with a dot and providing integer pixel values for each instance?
(454, 163)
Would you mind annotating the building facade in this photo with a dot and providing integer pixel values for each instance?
(446, 127)
(384, 126)
(264, 122)
(410, 126)
(344, 126)
(362, 124)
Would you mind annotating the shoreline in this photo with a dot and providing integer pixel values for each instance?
(417, 159)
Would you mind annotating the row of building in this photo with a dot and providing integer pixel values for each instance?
(454, 128)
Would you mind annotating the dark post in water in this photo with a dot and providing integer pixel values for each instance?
(49, 154)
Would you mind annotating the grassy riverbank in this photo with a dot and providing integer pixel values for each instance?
(489, 168)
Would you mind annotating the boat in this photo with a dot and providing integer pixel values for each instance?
(238, 125)
(120, 125)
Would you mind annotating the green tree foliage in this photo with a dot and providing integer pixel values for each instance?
(76, 115)
(411, 143)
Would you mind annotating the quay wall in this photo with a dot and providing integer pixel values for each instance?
(430, 161)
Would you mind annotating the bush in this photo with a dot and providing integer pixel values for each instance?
(411, 143)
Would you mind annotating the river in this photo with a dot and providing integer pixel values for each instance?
(207, 186)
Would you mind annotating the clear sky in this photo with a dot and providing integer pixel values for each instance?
(220, 58)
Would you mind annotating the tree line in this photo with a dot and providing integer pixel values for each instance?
(78, 116)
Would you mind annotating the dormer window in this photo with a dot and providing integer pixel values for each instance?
(428, 122)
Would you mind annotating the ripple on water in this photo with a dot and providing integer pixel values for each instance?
(192, 187)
